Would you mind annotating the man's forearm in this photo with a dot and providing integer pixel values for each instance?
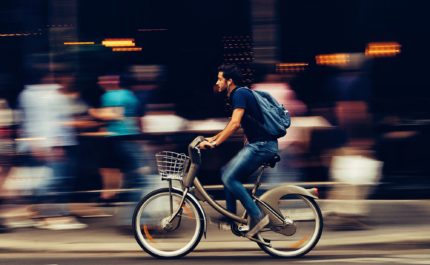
(105, 115)
(214, 138)
(227, 132)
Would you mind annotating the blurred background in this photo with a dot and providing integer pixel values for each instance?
(353, 74)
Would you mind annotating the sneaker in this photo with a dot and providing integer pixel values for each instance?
(19, 223)
(88, 211)
(60, 223)
(258, 226)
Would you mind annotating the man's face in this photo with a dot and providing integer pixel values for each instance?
(221, 84)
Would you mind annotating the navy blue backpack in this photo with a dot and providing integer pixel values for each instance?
(276, 119)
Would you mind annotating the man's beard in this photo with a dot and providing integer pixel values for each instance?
(217, 89)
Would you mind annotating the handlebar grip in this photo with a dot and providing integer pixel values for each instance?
(193, 151)
(196, 160)
(195, 142)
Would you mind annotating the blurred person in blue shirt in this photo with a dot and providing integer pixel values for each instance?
(120, 110)
(124, 103)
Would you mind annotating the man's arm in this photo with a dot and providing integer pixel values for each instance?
(213, 138)
(108, 113)
(231, 127)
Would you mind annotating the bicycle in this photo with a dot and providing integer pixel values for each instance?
(170, 222)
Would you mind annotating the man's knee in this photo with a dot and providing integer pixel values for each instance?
(226, 178)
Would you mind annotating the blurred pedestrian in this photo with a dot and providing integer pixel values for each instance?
(6, 152)
(120, 111)
(48, 136)
(353, 165)
(285, 170)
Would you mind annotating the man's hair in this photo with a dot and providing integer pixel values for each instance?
(231, 71)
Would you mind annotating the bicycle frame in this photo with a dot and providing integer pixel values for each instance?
(268, 200)
(215, 205)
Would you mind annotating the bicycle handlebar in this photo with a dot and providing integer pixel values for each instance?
(196, 160)
(194, 151)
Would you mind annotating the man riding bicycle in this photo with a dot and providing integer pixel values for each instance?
(259, 149)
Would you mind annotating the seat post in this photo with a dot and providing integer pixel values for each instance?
(257, 182)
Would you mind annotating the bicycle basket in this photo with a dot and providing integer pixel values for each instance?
(171, 165)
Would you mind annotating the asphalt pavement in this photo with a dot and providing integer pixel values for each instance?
(390, 223)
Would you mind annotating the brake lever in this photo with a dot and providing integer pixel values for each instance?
(198, 150)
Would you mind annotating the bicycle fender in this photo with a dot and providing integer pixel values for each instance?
(272, 196)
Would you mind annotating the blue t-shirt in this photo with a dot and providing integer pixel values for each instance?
(127, 100)
(244, 99)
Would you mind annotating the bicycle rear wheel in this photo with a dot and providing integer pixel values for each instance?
(299, 238)
(162, 239)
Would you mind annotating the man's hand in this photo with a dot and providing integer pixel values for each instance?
(206, 145)
(210, 139)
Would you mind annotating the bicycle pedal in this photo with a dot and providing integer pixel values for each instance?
(243, 228)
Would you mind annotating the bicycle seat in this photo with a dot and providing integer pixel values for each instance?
(272, 161)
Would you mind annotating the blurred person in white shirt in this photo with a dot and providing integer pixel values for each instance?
(48, 136)
(282, 92)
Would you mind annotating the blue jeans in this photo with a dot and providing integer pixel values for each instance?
(240, 168)
(61, 181)
(131, 164)
(131, 155)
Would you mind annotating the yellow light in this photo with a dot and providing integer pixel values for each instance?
(291, 64)
(332, 59)
(291, 67)
(79, 43)
(118, 42)
(382, 49)
(134, 49)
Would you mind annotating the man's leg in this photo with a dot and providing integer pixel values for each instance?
(55, 213)
(49, 201)
(131, 165)
(246, 162)
(241, 167)
(230, 201)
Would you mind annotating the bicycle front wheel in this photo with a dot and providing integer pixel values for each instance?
(302, 235)
(156, 235)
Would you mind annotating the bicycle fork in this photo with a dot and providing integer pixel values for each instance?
(177, 211)
(169, 222)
